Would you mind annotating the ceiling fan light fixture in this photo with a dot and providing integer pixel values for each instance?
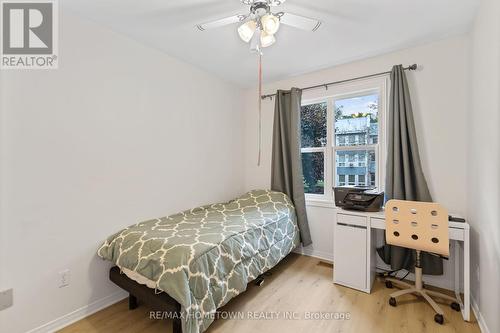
(270, 23)
(255, 42)
(247, 30)
(267, 39)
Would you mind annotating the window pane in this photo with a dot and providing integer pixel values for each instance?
(313, 125)
(356, 120)
(313, 169)
(357, 166)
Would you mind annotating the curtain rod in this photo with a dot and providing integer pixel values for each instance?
(326, 85)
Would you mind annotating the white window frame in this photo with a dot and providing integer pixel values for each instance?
(352, 89)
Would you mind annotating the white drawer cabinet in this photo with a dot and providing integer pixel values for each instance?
(353, 251)
(350, 247)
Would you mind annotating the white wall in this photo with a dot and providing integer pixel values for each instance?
(483, 174)
(122, 133)
(118, 134)
(439, 94)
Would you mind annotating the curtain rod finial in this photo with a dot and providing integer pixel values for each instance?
(413, 67)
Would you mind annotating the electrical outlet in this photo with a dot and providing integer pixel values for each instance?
(6, 299)
(64, 277)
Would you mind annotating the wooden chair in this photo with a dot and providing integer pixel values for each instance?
(422, 226)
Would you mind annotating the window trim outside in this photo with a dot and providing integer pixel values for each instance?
(353, 89)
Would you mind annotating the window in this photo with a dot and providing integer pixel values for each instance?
(313, 169)
(357, 116)
(341, 180)
(361, 159)
(313, 146)
(342, 138)
(342, 158)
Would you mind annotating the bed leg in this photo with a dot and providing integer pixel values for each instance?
(132, 302)
(177, 324)
(259, 281)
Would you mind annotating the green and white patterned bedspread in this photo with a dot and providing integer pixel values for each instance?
(206, 256)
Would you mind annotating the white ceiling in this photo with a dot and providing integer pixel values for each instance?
(352, 29)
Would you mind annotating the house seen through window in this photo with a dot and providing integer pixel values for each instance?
(356, 117)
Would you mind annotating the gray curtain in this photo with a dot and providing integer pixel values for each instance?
(405, 179)
(286, 168)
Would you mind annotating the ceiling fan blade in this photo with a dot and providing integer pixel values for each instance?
(272, 3)
(221, 22)
(301, 22)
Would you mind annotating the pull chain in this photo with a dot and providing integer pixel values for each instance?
(260, 109)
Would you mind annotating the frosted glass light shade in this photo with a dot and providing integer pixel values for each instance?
(270, 23)
(266, 39)
(246, 30)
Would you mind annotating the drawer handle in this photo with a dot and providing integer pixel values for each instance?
(351, 225)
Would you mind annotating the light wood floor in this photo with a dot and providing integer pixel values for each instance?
(298, 284)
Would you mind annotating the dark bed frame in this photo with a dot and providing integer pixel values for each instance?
(158, 302)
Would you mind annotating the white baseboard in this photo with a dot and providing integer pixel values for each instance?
(429, 279)
(480, 319)
(80, 313)
(313, 253)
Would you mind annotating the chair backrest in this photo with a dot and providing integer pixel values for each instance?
(417, 225)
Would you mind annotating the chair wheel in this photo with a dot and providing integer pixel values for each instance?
(439, 319)
(392, 301)
(455, 306)
(388, 284)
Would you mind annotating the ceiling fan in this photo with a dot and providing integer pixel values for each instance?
(258, 28)
(261, 24)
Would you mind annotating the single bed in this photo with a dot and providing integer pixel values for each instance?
(203, 257)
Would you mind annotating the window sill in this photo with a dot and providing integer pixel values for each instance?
(320, 203)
